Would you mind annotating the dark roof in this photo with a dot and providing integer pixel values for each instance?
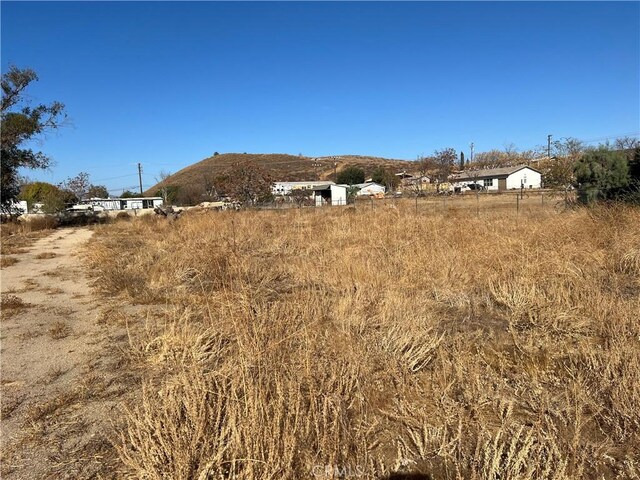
(491, 172)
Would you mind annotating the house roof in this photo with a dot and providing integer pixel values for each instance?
(491, 172)
(366, 184)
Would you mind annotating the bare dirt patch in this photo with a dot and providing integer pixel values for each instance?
(60, 383)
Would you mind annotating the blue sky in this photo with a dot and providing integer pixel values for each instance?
(167, 84)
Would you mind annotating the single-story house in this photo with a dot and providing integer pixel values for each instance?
(285, 188)
(137, 203)
(503, 178)
(370, 189)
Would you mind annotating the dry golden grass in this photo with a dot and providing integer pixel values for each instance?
(326, 343)
(17, 237)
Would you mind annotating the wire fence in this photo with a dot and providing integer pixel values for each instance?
(512, 202)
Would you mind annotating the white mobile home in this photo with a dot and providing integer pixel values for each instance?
(137, 203)
(499, 179)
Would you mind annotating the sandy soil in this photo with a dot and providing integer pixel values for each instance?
(61, 381)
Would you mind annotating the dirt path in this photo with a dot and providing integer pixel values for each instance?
(59, 382)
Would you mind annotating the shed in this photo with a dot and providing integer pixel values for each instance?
(334, 195)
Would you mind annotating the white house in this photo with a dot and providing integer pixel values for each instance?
(499, 179)
(370, 189)
(285, 188)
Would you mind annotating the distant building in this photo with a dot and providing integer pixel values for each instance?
(285, 188)
(332, 194)
(16, 207)
(370, 189)
(499, 179)
(137, 203)
(323, 192)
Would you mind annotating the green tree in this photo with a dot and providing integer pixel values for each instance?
(350, 176)
(130, 194)
(20, 124)
(634, 168)
(633, 193)
(52, 197)
(602, 174)
(352, 194)
(384, 177)
(461, 165)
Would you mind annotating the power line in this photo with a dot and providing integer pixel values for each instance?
(540, 146)
(608, 137)
(114, 178)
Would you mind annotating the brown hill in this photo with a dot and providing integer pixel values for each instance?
(281, 167)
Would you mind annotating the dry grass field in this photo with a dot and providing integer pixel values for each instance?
(442, 343)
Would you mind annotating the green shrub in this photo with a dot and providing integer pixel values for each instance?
(602, 174)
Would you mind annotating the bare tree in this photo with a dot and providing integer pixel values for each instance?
(444, 161)
(78, 185)
(425, 167)
(249, 183)
(215, 186)
(161, 179)
(558, 171)
(628, 145)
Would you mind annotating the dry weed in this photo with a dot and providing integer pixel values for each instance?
(11, 305)
(45, 255)
(8, 261)
(59, 330)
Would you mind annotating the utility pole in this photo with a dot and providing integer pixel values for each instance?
(140, 176)
(549, 146)
(335, 171)
(471, 160)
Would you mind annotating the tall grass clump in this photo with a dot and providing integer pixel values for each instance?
(328, 343)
